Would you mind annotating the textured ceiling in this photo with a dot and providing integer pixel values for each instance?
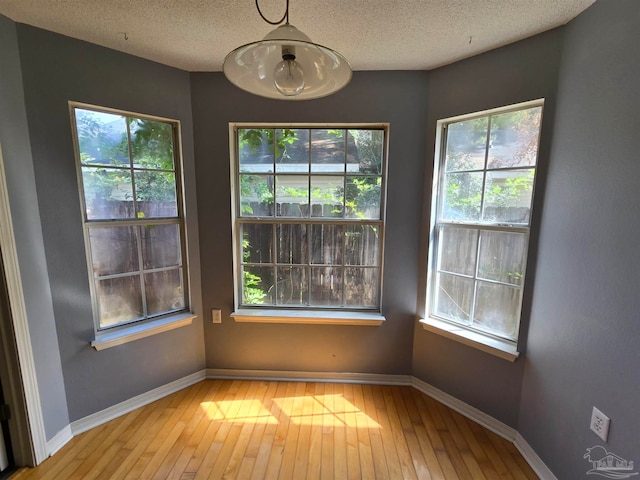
(196, 35)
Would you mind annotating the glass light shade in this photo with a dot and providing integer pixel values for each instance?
(252, 67)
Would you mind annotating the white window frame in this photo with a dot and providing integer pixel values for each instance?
(110, 336)
(497, 345)
(298, 314)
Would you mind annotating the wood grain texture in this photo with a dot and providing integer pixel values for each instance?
(287, 430)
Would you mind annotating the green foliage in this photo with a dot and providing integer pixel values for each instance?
(258, 186)
(370, 147)
(362, 193)
(252, 291)
(149, 147)
(507, 194)
(463, 194)
(276, 140)
(463, 191)
(151, 144)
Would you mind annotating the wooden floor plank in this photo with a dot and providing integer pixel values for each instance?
(364, 441)
(284, 404)
(327, 435)
(276, 390)
(304, 420)
(351, 433)
(287, 430)
(390, 451)
(430, 456)
(314, 463)
(434, 424)
(375, 437)
(406, 462)
(340, 467)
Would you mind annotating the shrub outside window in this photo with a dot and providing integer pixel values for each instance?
(129, 178)
(480, 226)
(308, 208)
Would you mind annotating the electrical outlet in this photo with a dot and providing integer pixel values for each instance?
(600, 424)
(216, 315)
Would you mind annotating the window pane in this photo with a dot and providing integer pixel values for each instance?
(364, 151)
(256, 195)
(454, 296)
(507, 197)
(293, 286)
(498, 309)
(257, 241)
(107, 193)
(327, 196)
(119, 300)
(327, 151)
(151, 144)
(293, 247)
(302, 175)
(156, 194)
(255, 150)
(326, 244)
(292, 195)
(514, 138)
(326, 286)
(458, 250)
(502, 256)
(466, 145)
(164, 291)
(361, 287)
(161, 246)
(462, 196)
(102, 138)
(363, 197)
(257, 285)
(362, 244)
(292, 150)
(113, 250)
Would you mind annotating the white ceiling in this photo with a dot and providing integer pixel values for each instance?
(195, 35)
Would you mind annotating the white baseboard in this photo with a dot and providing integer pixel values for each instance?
(481, 418)
(295, 376)
(63, 437)
(103, 416)
(532, 458)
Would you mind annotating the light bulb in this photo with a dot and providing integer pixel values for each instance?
(288, 75)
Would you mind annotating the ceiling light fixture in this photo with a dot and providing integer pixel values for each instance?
(286, 65)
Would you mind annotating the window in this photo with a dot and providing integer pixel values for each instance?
(481, 215)
(129, 175)
(308, 208)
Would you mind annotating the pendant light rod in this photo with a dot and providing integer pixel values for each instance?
(285, 17)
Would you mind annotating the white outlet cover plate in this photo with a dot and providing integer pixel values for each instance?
(600, 424)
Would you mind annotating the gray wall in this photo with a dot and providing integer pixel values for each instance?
(396, 97)
(584, 337)
(516, 73)
(57, 69)
(18, 164)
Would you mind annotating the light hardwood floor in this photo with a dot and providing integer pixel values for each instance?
(287, 430)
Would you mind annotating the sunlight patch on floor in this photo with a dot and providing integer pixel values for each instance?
(328, 410)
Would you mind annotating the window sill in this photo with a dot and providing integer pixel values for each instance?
(500, 348)
(308, 317)
(136, 331)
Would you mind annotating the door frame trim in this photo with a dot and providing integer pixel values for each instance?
(31, 446)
